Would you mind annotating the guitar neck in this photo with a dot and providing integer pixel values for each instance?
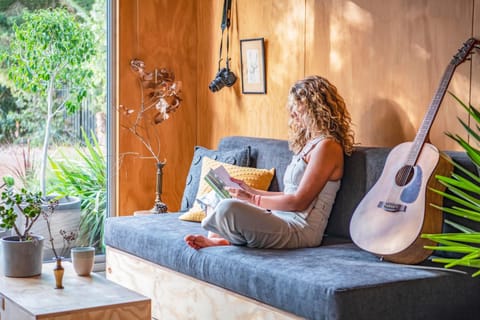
(422, 134)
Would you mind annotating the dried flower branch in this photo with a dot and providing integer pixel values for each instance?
(159, 94)
(69, 237)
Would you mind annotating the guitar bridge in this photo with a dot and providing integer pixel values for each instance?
(392, 207)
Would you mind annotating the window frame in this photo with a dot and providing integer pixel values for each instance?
(112, 98)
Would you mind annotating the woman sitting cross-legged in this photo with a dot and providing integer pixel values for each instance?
(319, 135)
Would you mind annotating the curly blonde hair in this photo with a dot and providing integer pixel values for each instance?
(317, 109)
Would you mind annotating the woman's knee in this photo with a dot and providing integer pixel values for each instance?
(219, 215)
(228, 208)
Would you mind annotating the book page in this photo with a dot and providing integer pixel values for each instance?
(216, 184)
(223, 176)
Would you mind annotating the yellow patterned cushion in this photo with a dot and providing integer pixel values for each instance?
(255, 178)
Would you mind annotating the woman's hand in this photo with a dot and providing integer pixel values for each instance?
(240, 194)
(243, 185)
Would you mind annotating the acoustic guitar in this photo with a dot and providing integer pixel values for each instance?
(389, 220)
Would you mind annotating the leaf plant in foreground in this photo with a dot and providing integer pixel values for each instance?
(463, 188)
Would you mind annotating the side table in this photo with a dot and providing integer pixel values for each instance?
(92, 297)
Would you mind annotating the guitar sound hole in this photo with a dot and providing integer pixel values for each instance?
(404, 175)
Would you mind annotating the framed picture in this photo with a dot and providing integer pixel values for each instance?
(252, 53)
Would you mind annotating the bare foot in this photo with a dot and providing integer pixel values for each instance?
(197, 241)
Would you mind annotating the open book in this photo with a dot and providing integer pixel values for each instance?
(219, 179)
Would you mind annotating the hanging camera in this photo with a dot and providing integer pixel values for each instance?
(224, 76)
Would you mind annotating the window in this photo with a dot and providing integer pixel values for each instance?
(77, 131)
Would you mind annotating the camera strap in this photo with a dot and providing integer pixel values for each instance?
(227, 4)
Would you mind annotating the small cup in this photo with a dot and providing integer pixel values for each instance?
(83, 259)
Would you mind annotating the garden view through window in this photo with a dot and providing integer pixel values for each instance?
(53, 114)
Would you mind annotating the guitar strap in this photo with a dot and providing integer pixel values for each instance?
(227, 5)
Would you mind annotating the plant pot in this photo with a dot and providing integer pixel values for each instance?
(22, 258)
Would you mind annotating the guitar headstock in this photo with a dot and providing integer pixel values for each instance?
(465, 51)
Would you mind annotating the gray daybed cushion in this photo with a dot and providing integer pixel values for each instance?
(339, 281)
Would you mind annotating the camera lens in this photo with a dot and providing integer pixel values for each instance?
(216, 84)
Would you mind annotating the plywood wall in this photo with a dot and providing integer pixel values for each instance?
(282, 25)
(162, 34)
(386, 58)
(387, 65)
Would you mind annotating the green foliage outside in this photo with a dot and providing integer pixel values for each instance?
(24, 97)
(91, 13)
(5, 4)
(465, 193)
(8, 116)
(48, 59)
(84, 175)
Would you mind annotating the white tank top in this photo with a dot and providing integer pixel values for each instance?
(323, 203)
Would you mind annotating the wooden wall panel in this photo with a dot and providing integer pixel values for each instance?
(159, 32)
(281, 24)
(386, 57)
(388, 65)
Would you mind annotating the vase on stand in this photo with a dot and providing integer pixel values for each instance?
(159, 206)
(58, 272)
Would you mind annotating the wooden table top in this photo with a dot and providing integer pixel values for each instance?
(38, 295)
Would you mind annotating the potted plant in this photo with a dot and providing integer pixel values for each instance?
(464, 191)
(22, 252)
(48, 62)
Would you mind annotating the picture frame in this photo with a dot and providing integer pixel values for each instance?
(252, 56)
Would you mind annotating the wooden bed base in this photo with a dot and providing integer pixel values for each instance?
(178, 296)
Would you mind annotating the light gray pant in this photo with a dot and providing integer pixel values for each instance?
(244, 224)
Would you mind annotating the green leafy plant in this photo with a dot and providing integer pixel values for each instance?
(464, 192)
(20, 210)
(28, 204)
(85, 176)
(48, 58)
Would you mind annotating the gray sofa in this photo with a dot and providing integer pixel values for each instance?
(334, 281)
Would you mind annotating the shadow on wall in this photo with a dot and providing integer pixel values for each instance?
(385, 124)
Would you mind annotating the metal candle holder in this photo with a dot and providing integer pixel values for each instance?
(159, 206)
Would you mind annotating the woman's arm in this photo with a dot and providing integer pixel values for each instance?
(325, 162)
(251, 190)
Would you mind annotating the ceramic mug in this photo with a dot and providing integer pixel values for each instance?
(83, 259)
